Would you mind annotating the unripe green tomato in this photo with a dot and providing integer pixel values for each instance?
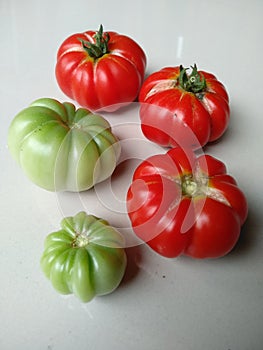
(61, 148)
(85, 257)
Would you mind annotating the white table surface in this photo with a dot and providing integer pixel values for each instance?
(180, 304)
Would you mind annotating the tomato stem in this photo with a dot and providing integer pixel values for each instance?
(100, 47)
(195, 82)
(80, 241)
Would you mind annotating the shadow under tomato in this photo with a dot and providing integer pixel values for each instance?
(228, 135)
(134, 260)
(248, 236)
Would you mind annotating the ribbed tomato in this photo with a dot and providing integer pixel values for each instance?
(182, 204)
(61, 148)
(85, 257)
(100, 70)
(197, 100)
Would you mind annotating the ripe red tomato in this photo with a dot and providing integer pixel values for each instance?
(182, 204)
(100, 69)
(197, 100)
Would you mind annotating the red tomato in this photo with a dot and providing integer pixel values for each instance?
(197, 100)
(179, 203)
(100, 69)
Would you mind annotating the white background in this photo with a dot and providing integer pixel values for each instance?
(180, 304)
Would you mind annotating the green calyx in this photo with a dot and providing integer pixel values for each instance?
(194, 82)
(100, 47)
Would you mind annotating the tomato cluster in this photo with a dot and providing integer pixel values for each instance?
(178, 202)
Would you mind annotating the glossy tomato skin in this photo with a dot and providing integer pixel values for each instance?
(181, 204)
(206, 113)
(61, 148)
(104, 83)
(86, 257)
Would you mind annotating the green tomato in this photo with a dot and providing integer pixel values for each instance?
(61, 148)
(86, 257)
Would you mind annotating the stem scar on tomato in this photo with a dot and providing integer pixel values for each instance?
(195, 185)
(81, 241)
